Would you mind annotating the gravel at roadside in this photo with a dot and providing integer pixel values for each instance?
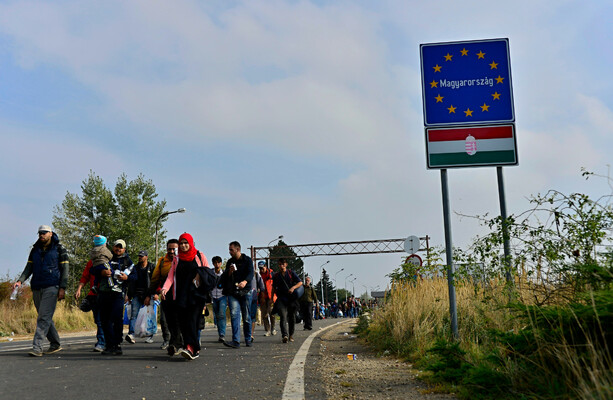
(367, 376)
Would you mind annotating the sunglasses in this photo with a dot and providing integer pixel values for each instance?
(43, 232)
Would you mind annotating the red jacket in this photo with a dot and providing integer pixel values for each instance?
(267, 279)
(86, 276)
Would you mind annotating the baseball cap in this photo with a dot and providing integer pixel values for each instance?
(261, 264)
(143, 253)
(45, 228)
(120, 242)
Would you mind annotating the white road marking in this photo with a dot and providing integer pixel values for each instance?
(294, 384)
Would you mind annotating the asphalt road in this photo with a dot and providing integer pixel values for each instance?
(146, 372)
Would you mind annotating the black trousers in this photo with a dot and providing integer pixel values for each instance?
(164, 325)
(172, 319)
(189, 323)
(111, 317)
(287, 315)
(306, 310)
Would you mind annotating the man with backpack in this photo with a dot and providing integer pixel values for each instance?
(284, 284)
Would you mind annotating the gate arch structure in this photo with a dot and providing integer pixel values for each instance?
(341, 248)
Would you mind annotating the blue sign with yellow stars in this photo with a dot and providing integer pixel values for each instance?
(465, 83)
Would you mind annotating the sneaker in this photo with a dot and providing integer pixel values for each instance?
(130, 339)
(221, 339)
(36, 353)
(171, 350)
(164, 345)
(248, 343)
(274, 332)
(117, 351)
(99, 348)
(267, 333)
(53, 349)
(252, 338)
(284, 339)
(149, 339)
(108, 351)
(234, 345)
(188, 353)
(291, 338)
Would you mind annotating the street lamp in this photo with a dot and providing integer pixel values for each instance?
(348, 276)
(269, 250)
(321, 274)
(279, 238)
(335, 286)
(353, 285)
(157, 221)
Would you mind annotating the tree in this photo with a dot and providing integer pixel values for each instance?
(281, 250)
(128, 213)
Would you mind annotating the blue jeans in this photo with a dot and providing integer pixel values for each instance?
(253, 306)
(240, 306)
(219, 313)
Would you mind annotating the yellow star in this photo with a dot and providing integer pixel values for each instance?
(451, 109)
(496, 96)
(433, 84)
(484, 107)
(499, 79)
(437, 68)
(439, 98)
(480, 54)
(494, 65)
(468, 112)
(464, 52)
(448, 57)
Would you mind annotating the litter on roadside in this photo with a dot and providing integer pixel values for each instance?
(351, 356)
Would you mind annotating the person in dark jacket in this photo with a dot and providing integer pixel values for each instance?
(138, 291)
(188, 283)
(111, 280)
(284, 283)
(48, 266)
(236, 281)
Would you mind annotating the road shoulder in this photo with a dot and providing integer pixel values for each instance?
(366, 377)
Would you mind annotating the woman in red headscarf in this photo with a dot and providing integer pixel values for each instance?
(185, 277)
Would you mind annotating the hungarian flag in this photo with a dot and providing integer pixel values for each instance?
(471, 146)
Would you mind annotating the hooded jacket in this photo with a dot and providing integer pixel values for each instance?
(48, 266)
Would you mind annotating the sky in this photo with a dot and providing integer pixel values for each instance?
(294, 118)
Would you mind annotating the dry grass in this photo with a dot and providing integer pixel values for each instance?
(19, 316)
(417, 314)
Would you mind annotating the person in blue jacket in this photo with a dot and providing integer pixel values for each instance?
(48, 266)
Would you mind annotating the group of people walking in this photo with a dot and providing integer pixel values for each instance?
(182, 280)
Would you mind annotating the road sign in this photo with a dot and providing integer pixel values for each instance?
(411, 244)
(471, 146)
(467, 83)
(415, 260)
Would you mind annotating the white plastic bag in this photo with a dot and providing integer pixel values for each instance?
(146, 322)
(140, 326)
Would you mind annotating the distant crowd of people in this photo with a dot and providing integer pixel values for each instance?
(184, 283)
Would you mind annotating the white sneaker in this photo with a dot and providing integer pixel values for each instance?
(274, 332)
(149, 339)
(130, 339)
(267, 333)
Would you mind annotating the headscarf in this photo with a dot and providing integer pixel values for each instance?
(190, 254)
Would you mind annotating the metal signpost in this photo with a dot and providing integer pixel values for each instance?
(469, 120)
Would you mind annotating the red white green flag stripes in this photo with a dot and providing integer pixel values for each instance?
(471, 146)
